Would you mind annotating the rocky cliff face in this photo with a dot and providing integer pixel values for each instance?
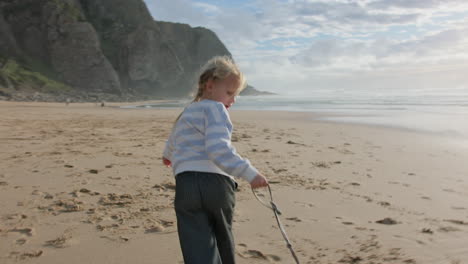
(99, 48)
(53, 38)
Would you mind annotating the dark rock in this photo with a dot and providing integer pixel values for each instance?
(78, 59)
(84, 190)
(427, 231)
(387, 221)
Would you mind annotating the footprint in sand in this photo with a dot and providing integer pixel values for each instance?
(427, 231)
(15, 216)
(155, 228)
(303, 204)
(21, 241)
(69, 205)
(324, 164)
(295, 219)
(165, 186)
(448, 190)
(447, 229)
(87, 191)
(350, 259)
(256, 254)
(321, 164)
(457, 222)
(61, 241)
(26, 255)
(279, 170)
(384, 204)
(122, 154)
(115, 199)
(245, 136)
(25, 231)
(106, 227)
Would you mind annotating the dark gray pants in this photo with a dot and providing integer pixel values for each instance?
(204, 205)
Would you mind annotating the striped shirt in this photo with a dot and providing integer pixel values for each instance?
(201, 141)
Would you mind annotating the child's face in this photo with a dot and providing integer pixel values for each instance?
(224, 91)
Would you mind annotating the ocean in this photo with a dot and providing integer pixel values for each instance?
(436, 112)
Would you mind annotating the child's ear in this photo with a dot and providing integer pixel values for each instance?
(209, 86)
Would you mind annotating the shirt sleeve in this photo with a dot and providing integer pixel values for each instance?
(218, 129)
(169, 147)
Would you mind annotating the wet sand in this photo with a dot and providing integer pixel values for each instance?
(85, 184)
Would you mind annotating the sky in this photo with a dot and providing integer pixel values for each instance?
(305, 46)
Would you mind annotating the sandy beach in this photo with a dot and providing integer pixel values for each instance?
(85, 184)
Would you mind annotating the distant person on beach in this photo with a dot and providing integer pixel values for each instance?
(205, 163)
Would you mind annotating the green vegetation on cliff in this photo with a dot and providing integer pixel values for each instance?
(15, 75)
(71, 10)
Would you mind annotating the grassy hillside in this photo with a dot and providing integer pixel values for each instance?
(13, 77)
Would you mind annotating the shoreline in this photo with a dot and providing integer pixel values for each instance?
(455, 139)
(335, 117)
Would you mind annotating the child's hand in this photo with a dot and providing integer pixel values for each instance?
(259, 181)
(167, 162)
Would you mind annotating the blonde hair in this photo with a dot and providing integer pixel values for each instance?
(218, 68)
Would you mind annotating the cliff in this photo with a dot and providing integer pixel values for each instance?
(97, 50)
(251, 91)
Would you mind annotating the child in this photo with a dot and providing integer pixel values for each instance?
(204, 161)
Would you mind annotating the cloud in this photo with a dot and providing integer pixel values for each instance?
(418, 4)
(208, 9)
(302, 43)
(378, 54)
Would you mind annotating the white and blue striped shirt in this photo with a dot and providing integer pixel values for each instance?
(201, 141)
